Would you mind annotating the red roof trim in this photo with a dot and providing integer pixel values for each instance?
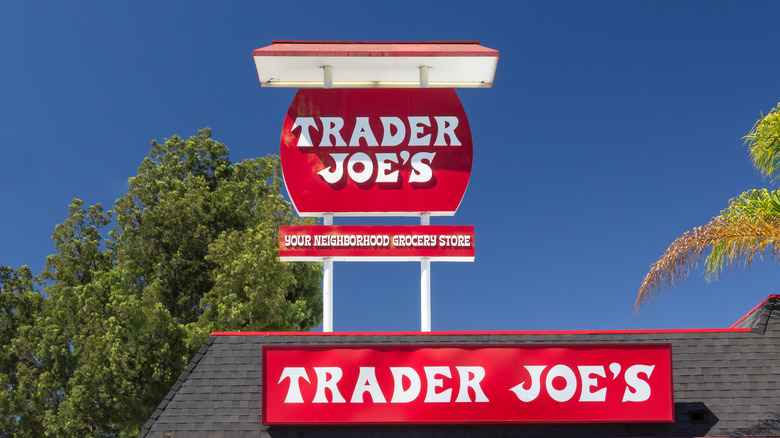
(370, 42)
(462, 333)
(376, 49)
(754, 309)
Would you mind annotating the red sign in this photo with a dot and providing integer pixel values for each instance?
(376, 152)
(467, 384)
(307, 243)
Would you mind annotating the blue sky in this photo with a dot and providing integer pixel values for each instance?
(612, 128)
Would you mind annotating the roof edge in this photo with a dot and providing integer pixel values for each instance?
(753, 311)
(758, 318)
(485, 333)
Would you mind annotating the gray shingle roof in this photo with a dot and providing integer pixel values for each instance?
(725, 384)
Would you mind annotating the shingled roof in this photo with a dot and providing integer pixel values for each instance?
(725, 383)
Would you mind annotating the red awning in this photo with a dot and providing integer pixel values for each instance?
(373, 48)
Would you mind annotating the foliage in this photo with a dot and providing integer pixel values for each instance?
(748, 228)
(19, 306)
(764, 143)
(194, 249)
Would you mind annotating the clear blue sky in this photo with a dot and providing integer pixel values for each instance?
(612, 128)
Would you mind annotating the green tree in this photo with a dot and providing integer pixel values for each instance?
(20, 304)
(48, 347)
(198, 234)
(748, 228)
(194, 249)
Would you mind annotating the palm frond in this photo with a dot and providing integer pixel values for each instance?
(729, 241)
(754, 202)
(763, 142)
(749, 227)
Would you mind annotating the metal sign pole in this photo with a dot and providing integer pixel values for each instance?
(327, 286)
(425, 263)
(425, 284)
(327, 219)
(327, 264)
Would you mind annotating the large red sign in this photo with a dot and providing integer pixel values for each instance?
(308, 243)
(467, 384)
(376, 152)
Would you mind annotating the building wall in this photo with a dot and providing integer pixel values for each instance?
(725, 384)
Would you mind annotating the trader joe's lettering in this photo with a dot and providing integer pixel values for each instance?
(374, 166)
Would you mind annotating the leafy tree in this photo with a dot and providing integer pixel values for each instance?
(194, 249)
(749, 227)
(19, 306)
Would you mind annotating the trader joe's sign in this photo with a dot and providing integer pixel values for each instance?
(376, 152)
(467, 384)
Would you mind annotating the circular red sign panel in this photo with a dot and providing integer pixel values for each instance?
(376, 152)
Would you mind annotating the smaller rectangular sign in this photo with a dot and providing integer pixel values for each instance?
(457, 384)
(376, 243)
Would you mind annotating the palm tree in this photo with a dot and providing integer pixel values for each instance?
(749, 227)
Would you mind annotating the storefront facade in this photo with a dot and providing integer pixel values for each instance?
(724, 383)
